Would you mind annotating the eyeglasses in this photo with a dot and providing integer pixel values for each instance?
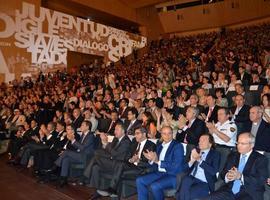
(243, 143)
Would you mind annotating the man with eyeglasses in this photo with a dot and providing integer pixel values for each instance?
(245, 173)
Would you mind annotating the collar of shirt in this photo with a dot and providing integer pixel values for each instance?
(143, 143)
(257, 123)
(141, 146)
(132, 122)
(205, 153)
(226, 122)
(119, 140)
(164, 145)
(49, 136)
(191, 122)
(247, 155)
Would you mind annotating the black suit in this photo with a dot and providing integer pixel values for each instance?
(18, 142)
(104, 125)
(242, 119)
(105, 158)
(127, 170)
(123, 113)
(46, 157)
(213, 116)
(255, 174)
(193, 133)
(77, 122)
(131, 130)
(245, 79)
(262, 140)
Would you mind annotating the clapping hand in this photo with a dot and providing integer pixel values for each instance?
(104, 138)
(233, 174)
(70, 137)
(195, 156)
(182, 121)
(135, 158)
(211, 127)
(151, 156)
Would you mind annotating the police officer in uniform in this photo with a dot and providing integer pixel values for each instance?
(224, 133)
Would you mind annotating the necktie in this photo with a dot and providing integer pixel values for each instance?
(138, 149)
(237, 183)
(196, 165)
(209, 113)
(82, 138)
(111, 125)
(130, 125)
(117, 142)
(188, 125)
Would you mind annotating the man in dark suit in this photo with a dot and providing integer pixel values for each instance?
(108, 125)
(167, 161)
(173, 109)
(46, 157)
(83, 147)
(245, 173)
(190, 133)
(132, 123)
(123, 109)
(107, 155)
(78, 118)
(259, 129)
(210, 113)
(240, 114)
(50, 140)
(159, 102)
(136, 163)
(203, 166)
(244, 76)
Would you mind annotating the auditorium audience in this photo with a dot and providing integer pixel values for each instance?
(179, 82)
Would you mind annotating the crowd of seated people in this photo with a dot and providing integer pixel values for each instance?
(183, 108)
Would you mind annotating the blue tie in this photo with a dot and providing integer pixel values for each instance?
(237, 183)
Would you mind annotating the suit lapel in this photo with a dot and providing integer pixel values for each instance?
(249, 163)
(261, 127)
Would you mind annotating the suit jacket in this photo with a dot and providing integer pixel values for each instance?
(255, 174)
(86, 146)
(52, 139)
(213, 116)
(193, 133)
(262, 140)
(77, 122)
(174, 158)
(242, 117)
(210, 167)
(104, 126)
(118, 151)
(134, 126)
(123, 113)
(59, 142)
(148, 146)
(246, 79)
